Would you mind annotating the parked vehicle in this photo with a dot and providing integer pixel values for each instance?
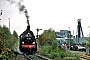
(78, 47)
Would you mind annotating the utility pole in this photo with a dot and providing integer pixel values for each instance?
(1, 13)
(37, 32)
(89, 31)
(9, 23)
(69, 38)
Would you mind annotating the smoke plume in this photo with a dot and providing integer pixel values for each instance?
(27, 16)
(21, 8)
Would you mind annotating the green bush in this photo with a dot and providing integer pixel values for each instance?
(57, 52)
(72, 55)
(50, 52)
(58, 58)
(54, 44)
(46, 50)
(6, 54)
(54, 54)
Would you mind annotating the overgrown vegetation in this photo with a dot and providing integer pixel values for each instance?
(88, 43)
(7, 41)
(47, 44)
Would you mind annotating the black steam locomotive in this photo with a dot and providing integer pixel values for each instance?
(28, 43)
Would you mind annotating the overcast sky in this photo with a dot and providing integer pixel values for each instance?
(45, 14)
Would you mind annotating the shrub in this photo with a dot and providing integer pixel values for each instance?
(46, 50)
(6, 54)
(54, 44)
(54, 54)
(72, 55)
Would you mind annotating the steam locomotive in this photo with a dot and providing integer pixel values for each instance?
(28, 43)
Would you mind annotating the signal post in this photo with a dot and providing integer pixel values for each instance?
(37, 32)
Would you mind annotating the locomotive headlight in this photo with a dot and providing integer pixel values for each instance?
(28, 33)
(33, 43)
(22, 42)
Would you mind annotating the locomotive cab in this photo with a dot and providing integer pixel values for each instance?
(28, 42)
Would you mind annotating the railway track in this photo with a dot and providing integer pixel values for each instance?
(30, 57)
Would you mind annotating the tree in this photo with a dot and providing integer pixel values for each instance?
(47, 37)
(1, 44)
(7, 41)
(6, 38)
(15, 34)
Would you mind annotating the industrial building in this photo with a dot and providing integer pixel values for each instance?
(64, 36)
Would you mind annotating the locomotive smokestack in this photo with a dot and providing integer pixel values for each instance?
(28, 27)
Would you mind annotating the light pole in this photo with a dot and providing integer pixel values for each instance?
(9, 23)
(89, 31)
(69, 38)
(1, 13)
